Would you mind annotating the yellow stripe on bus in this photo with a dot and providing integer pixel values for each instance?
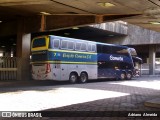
(64, 62)
(71, 51)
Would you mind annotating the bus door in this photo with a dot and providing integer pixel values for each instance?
(104, 71)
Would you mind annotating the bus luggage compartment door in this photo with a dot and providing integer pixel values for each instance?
(57, 71)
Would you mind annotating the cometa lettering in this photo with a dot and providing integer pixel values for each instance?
(116, 58)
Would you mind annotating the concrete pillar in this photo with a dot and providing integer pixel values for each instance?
(23, 51)
(23, 54)
(152, 55)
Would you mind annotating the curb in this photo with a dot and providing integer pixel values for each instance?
(153, 103)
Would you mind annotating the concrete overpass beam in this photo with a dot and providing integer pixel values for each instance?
(54, 22)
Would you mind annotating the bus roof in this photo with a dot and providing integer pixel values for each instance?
(87, 41)
(112, 45)
(72, 38)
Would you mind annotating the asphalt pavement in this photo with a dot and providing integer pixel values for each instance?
(98, 99)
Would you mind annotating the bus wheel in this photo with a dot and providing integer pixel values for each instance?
(129, 76)
(83, 77)
(123, 76)
(73, 78)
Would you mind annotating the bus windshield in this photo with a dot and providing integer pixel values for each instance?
(132, 52)
(39, 42)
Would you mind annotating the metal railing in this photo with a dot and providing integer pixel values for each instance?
(8, 68)
(145, 69)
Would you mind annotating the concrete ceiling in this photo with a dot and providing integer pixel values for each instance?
(86, 33)
(143, 11)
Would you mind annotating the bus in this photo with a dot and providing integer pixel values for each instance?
(61, 58)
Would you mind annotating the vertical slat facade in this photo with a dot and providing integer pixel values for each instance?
(8, 68)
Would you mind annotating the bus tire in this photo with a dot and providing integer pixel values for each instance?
(123, 76)
(73, 77)
(83, 77)
(129, 76)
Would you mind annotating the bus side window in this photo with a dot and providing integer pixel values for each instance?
(106, 49)
(89, 47)
(99, 48)
(70, 45)
(64, 44)
(56, 43)
(78, 46)
(119, 51)
(83, 47)
(93, 48)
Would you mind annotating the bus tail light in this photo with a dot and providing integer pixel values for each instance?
(48, 68)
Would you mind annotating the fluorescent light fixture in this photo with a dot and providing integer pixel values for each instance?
(45, 13)
(0, 21)
(75, 28)
(3, 46)
(154, 22)
(14, 43)
(110, 35)
(67, 33)
(105, 4)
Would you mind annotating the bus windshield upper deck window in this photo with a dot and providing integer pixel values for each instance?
(132, 51)
(39, 42)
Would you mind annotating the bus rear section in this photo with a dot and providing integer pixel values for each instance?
(41, 70)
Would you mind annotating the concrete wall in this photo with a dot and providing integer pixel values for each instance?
(137, 36)
(116, 27)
